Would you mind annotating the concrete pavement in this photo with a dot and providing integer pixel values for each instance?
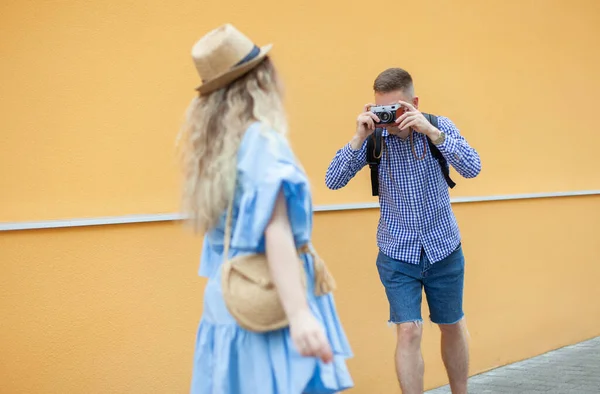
(570, 370)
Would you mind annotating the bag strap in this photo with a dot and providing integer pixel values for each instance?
(435, 152)
(227, 236)
(374, 152)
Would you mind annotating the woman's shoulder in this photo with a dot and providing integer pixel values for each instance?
(261, 136)
(266, 166)
(262, 147)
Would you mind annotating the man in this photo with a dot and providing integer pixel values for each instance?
(418, 237)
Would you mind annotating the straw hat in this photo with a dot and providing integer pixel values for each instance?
(223, 55)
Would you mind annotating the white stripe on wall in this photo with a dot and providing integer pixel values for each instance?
(165, 217)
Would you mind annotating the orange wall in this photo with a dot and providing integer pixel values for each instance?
(91, 99)
(114, 309)
(93, 91)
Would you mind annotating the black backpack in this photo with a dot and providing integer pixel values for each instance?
(375, 150)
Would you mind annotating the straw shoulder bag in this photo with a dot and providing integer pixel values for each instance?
(249, 292)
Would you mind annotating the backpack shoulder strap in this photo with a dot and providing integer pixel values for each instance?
(374, 152)
(435, 152)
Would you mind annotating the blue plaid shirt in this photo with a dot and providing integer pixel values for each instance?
(413, 194)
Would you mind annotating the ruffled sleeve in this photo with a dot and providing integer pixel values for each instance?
(266, 165)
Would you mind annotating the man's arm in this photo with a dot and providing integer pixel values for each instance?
(353, 156)
(347, 162)
(454, 147)
(457, 150)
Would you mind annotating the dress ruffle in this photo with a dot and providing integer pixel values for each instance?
(232, 360)
(257, 202)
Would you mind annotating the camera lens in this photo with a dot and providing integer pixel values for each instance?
(385, 116)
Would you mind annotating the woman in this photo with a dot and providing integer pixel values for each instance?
(233, 145)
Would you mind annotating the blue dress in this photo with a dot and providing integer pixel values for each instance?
(229, 359)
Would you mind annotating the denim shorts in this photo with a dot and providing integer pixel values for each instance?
(443, 282)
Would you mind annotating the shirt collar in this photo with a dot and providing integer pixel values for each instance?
(385, 133)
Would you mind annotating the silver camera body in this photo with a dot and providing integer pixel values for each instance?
(387, 114)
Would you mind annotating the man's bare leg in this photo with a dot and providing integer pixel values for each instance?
(455, 353)
(409, 360)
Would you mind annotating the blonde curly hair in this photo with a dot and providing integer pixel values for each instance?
(211, 134)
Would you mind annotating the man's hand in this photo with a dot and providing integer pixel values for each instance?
(365, 125)
(414, 119)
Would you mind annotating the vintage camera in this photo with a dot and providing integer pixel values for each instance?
(387, 114)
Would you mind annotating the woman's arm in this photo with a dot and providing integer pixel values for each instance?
(308, 335)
